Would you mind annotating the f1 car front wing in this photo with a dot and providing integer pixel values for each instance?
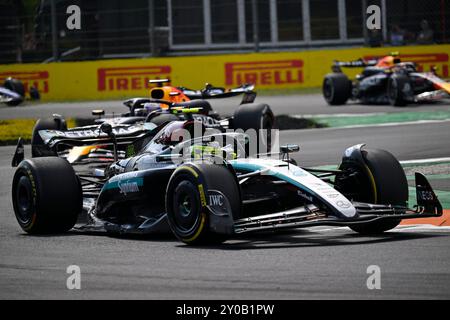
(427, 206)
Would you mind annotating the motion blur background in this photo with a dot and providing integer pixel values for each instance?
(35, 30)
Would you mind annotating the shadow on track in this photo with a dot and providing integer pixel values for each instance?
(305, 239)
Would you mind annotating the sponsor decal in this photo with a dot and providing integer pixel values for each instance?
(37, 79)
(218, 203)
(343, 204)
(202, 195)
(129, 186)
(216, 199)
(297, 171)
(129, 78)
(426, 195)
(125, 176)
(305, 196)
(277, 72)
(333, 195)
(92, 133)
(426, 61)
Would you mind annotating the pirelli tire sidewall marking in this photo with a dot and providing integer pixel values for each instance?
(26, 170)
(197, 178)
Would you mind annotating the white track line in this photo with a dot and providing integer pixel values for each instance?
(363, 126)
(422, 161)
(390, 124)
(401, 228)
(339, 115)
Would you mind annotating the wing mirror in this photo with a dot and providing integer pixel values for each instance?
(106, 128)
(98, 112)
(290, 148)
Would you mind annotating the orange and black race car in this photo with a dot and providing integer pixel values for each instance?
(386, 80)
(165, 104)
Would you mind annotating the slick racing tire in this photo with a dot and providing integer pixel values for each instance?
(38, 148)
(397, 88)
(257, 116)
(46, 195)
(380, 180)
(336, 88)
(14, 103)
(187, 201)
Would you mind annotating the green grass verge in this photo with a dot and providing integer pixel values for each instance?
(12, 129)
(344, 121)
(285, 92)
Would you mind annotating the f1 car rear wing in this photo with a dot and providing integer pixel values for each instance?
(211, 92)
(360, 63)
(92, 134)
(89, 136)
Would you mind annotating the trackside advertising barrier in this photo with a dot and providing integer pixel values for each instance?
(115, 79)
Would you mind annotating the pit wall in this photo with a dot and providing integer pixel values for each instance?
(117, 79)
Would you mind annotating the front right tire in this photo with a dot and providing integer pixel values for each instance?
(46, 195)
(187, 201)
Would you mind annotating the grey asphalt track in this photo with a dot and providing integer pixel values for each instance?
(318, 263)
(291, 104)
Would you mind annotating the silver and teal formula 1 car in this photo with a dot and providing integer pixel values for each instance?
(206, 189)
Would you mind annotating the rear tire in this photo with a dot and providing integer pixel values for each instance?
(186, 201)
(38, 148)
(336, 88)
(46, 195)
(259, 117)
(381, 181)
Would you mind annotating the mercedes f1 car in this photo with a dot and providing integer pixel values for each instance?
(166, 104)
(383, 81)
(206, 189)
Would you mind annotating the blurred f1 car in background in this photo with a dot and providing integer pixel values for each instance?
(157, 109)
(12, 93)
(387, 80)
(166, 103)
(213, 190)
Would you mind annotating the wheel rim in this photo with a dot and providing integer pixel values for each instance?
(328, 89)
(392, 90)
(24, 200)
(186, 207)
